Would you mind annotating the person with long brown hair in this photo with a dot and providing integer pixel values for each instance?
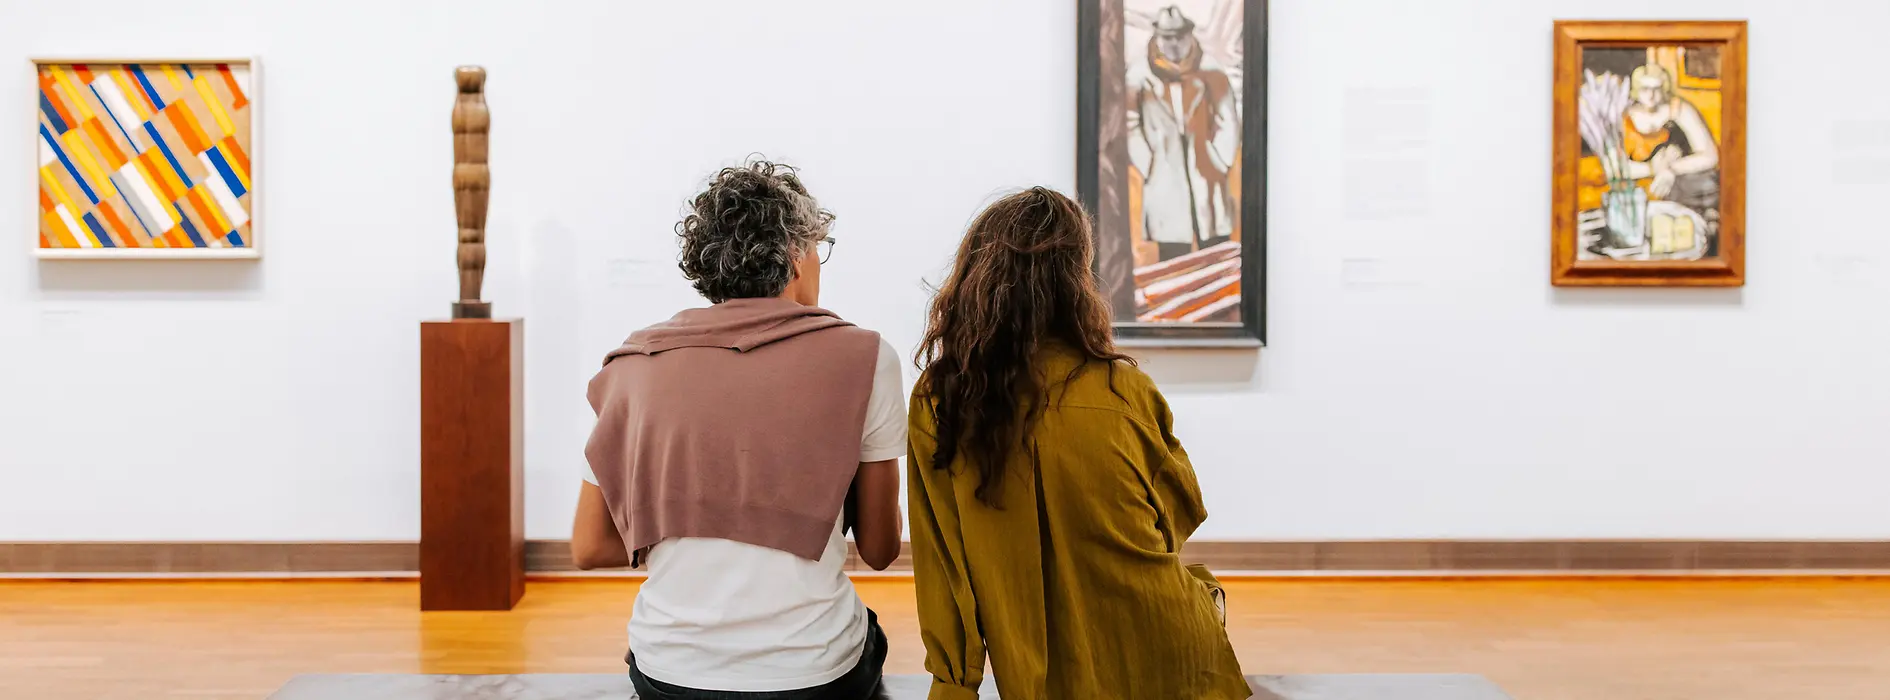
(1048, 496)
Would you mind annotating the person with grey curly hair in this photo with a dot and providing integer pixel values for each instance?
(750, 233)
(735, 446)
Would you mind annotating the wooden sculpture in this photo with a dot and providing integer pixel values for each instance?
(471, 180)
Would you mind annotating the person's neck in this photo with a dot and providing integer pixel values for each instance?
(753, 300)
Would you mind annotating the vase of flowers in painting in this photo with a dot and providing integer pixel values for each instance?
(1603, 102)
(1625, 206)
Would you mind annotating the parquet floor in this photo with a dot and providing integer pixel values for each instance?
(1541, 640)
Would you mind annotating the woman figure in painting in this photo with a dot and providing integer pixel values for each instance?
(1665, 138)
(1049, 497)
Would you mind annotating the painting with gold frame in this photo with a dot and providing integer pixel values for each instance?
(1649, 165)
(145, 158)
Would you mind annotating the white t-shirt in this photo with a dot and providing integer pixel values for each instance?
(723, 615)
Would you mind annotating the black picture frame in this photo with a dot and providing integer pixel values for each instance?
(1094, 17)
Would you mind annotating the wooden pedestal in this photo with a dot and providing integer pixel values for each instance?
(472, 464)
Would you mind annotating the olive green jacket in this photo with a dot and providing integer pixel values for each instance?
(1074, 587)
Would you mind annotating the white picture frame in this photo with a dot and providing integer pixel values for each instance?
(258, 238)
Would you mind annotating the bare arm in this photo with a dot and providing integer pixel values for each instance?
(595, 543)
(877, 521)
(1634, 170)
(1705, 155)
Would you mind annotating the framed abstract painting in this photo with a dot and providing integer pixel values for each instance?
(145, 158)
(1649, 178)
(1171, 162)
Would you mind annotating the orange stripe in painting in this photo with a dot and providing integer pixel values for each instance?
(187, 128)
(59, 231)
(241, 172)
(131, 83)
(210, 205)
(164, 172)
(85, 74)
(114, 156)
(43, 241)
(45, 200)
(229, 80)
(115, 224)
(74, 94)
(208, 211)
(50, 88)
(176, 237)
(169, 187)
(235, 151)
(116, 229)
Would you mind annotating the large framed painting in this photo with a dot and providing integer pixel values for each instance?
(145, 158)
(1649, 184)
(1171, 162)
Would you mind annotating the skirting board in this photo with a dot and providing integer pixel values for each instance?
(1340, 558)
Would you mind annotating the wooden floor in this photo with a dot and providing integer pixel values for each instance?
(1541, 640)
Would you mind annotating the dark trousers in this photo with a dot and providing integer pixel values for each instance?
(858, 684)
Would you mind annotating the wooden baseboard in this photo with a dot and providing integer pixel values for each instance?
(1340, 558)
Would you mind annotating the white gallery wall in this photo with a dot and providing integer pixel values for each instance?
(1423, 379)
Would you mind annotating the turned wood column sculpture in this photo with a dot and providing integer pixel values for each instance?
(471, 180)
(472, 408)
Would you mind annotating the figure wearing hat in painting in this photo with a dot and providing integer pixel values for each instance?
(1184, 137)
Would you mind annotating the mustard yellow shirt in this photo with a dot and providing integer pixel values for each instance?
(1074, 588)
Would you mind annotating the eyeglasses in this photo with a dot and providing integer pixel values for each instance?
(825, 247)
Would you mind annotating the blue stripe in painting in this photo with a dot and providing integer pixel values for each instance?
(108, 112)
(234, 239)
(126, 197)
(164, 148)
(187, 73)
(104, 239)
(63, 160)
(223, 168)
(52, 114)
(190, 229)
(146, 84)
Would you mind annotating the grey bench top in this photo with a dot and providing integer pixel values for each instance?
(552, 686)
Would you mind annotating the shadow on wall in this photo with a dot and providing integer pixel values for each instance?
(1200, 370)
(150, 280)
(1650, 297)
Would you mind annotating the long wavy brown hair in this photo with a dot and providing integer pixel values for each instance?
(1022, 279)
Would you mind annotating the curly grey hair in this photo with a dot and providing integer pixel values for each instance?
(742, 234)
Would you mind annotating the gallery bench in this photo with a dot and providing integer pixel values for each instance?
(617, 687)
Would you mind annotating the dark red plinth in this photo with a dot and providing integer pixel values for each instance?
(472, 464)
